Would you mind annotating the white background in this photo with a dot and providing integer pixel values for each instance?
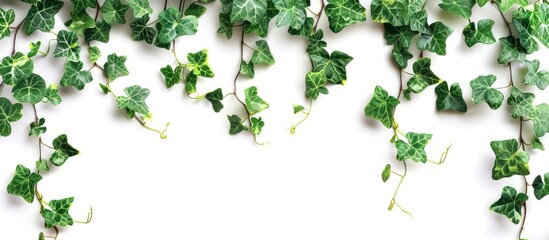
(322, 183)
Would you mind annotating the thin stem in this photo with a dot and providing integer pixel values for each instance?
(48, 146)
(319, 14)
(165, 4)
(524, 208)
(162, 133)
(181, 5)
(294, 126)
(311, 11)
(88, 219)
(442, 156)
(17, 28)
(503, 17)
(393, 201)
(2, 86)
(97, 7)
(401, 83)
(248, 46)
(404, 71)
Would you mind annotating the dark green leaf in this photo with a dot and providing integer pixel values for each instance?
(540, 118)
(115, 67)
(521, 103)
(134, 99)
(483, 92)
(31, 90)
(67, 46)
(342, 13)
(450, 98)
(435, 42)
(262, 53)
(254, 103)
(509, 204)
(510, 161)
(257, 125)
(505, 5)
(37, 129)
(58, 215)
(305, 29)
(316, 43)
(225, 25)
(481, 35)
(423, 76)
(75, 76)
(398, 36)
(80, 22)
(382, 107)
(100, 33)
(291, 12)
(23, 183)
(236, 124)
(215, 97)
(526, 23)
(315, 84)
(6, 19)
(172, 76)
(392, 12)
(190, 83)
(541, 187)
(401, 56)
(16, 68)
(537, 77)
(141, 31)
(458, 7)
(114, 12)
(414, 149)
(172, 25)
(542, 34)
(34, 48)
(334, 65)
(195, 10)
(511, 50)
(248, 10)
(81, 5)
(298, 108)
(42, 16)
(63, 150)
(9, 113)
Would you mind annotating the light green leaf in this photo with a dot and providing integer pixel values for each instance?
(16, 68)
(34, 48)
(398, 36)
(37, 129)
(450, 98)
(140, 8)
(75, 76)
(42, 16)
(195, 9)
(257, 125)
(115, 67)
(42, 165)
(342, 13)
(536, 77)
(67, 46)
(541, 187)
(510, 161)
(459, 7)
(414, 149)
(100, 33)
(23, 183)
(315, 84)
(58, 215)
(141, 31)
(9, 113)
(248, 10)
(511, 50)
(172, 25)
(262, 53)
(198, 64)
(435, 42)
(334, 65)
(540, 118)
(80, 22)
(94, 53)
(510, 204)
(41, 236)
(298, 108)
(481, 35)
(63, 150)
(247, 69)
(291, 12)
(483, 92)
(542, 34)
(134, 99)
(31, 90)
(172, 76)
(236, 124)
(114, 12)
(6, 19)
(521, 103)
(423, 76)
(386, 173)
(481, 3)
(505, 5)
(190, 83)
(254, 103)
(215, 97)
(537, 144)
(381, 107)
(52, 94)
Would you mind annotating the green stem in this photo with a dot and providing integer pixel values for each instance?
(294, 126)
(442, 156)
(393, 201)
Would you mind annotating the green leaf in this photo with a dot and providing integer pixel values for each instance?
(157, 42)
(95, 53)
(140, 8)
(215, 97)
(542, 34)
(34, 48)
(9, 113)
(511, 50)
(247, 69)
(423, 76)
(298, 108)
(510, 161)
(291, 12)
(63, 150)
(172, 25)
(526, 23)
(195, 10)
(418, 22)
(75, 76)
(521, 103)
(342, 13)
(450, 98)
(37, 129)
(254, 103)
(540, 118)
(315, 84)
(248, 10)
(42, 16)
(225, 25)
(505, 5)
(316, 44)
(386, 173)
(398, 36)
(141, 31)
(401, 56)
(414, 149)
(23, 183)
(257, 125)
(236, 124)
(41, 236)
(104, 88)
(305, 30)
(537, 144)
(541, 187)
(536, 77)
(198, 64)
(32, 2)
(481, 35)
(114, 12)
(16, 68)
(392, 12)
(31, 90)
(261, 28)
(459, 7)
(58, 215)
(80, 22)
(483, 92)
(52, 94)
(382, 107)
(81, 5)
(262, 53)
(6, 19)
(334, 65)
(67, 46)
(100, 33)
(115, 67)
(481, 3)
(190, 83)
(42, 165)
(134, 99)
(435, 42)
(509, 204)
(172, 76)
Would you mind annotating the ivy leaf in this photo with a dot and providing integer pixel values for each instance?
(42, 16)
(115, 67)
(526, 23)
(298, 108)
(316, 43)
(140, 30)
(94, 53)
(114, 12)
(157, 42)
(481, 35)
(31, 90)
(100, 33)
(59, 215)
(195, 10)
(398, 36)
(423, 76)
(23, 183)
(190, 83)
(541, 187)
(291, 12)
(459, 7)
(6, 19)
(140, 8)
(41, 236)
(510, 160)
(37, 129)
(236, 124)
(540, 118)
(75, 76)
(134, 99)
(42, 165)
(254, 103)
(198, 64)
(537, 144)
(509, 204)
(262, 53)
(505, 5)
(52, 95)
(414, 149)
(435, 42)
(315, 84)
(172, 25)
(483, 92)
(386, 173)
(392, 12)
(63, 150)
(32, 2)
(511, 50)
(16, 68)
(401, 56)
(481, 3)
(305, 30)
(342, 13)
(34, 48)
(542, 34)
(521, 103)
(225, 25)
(215, 97)
(382, 107)
(9, 113)
(257, 125)
(81, 5)
(450, 99)
(67, 46)
(248, 10)
(247, 68)
(536, 77)
(172, 76)
(261, 28)
(418, 22)
(80, 22)
(334, 65)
